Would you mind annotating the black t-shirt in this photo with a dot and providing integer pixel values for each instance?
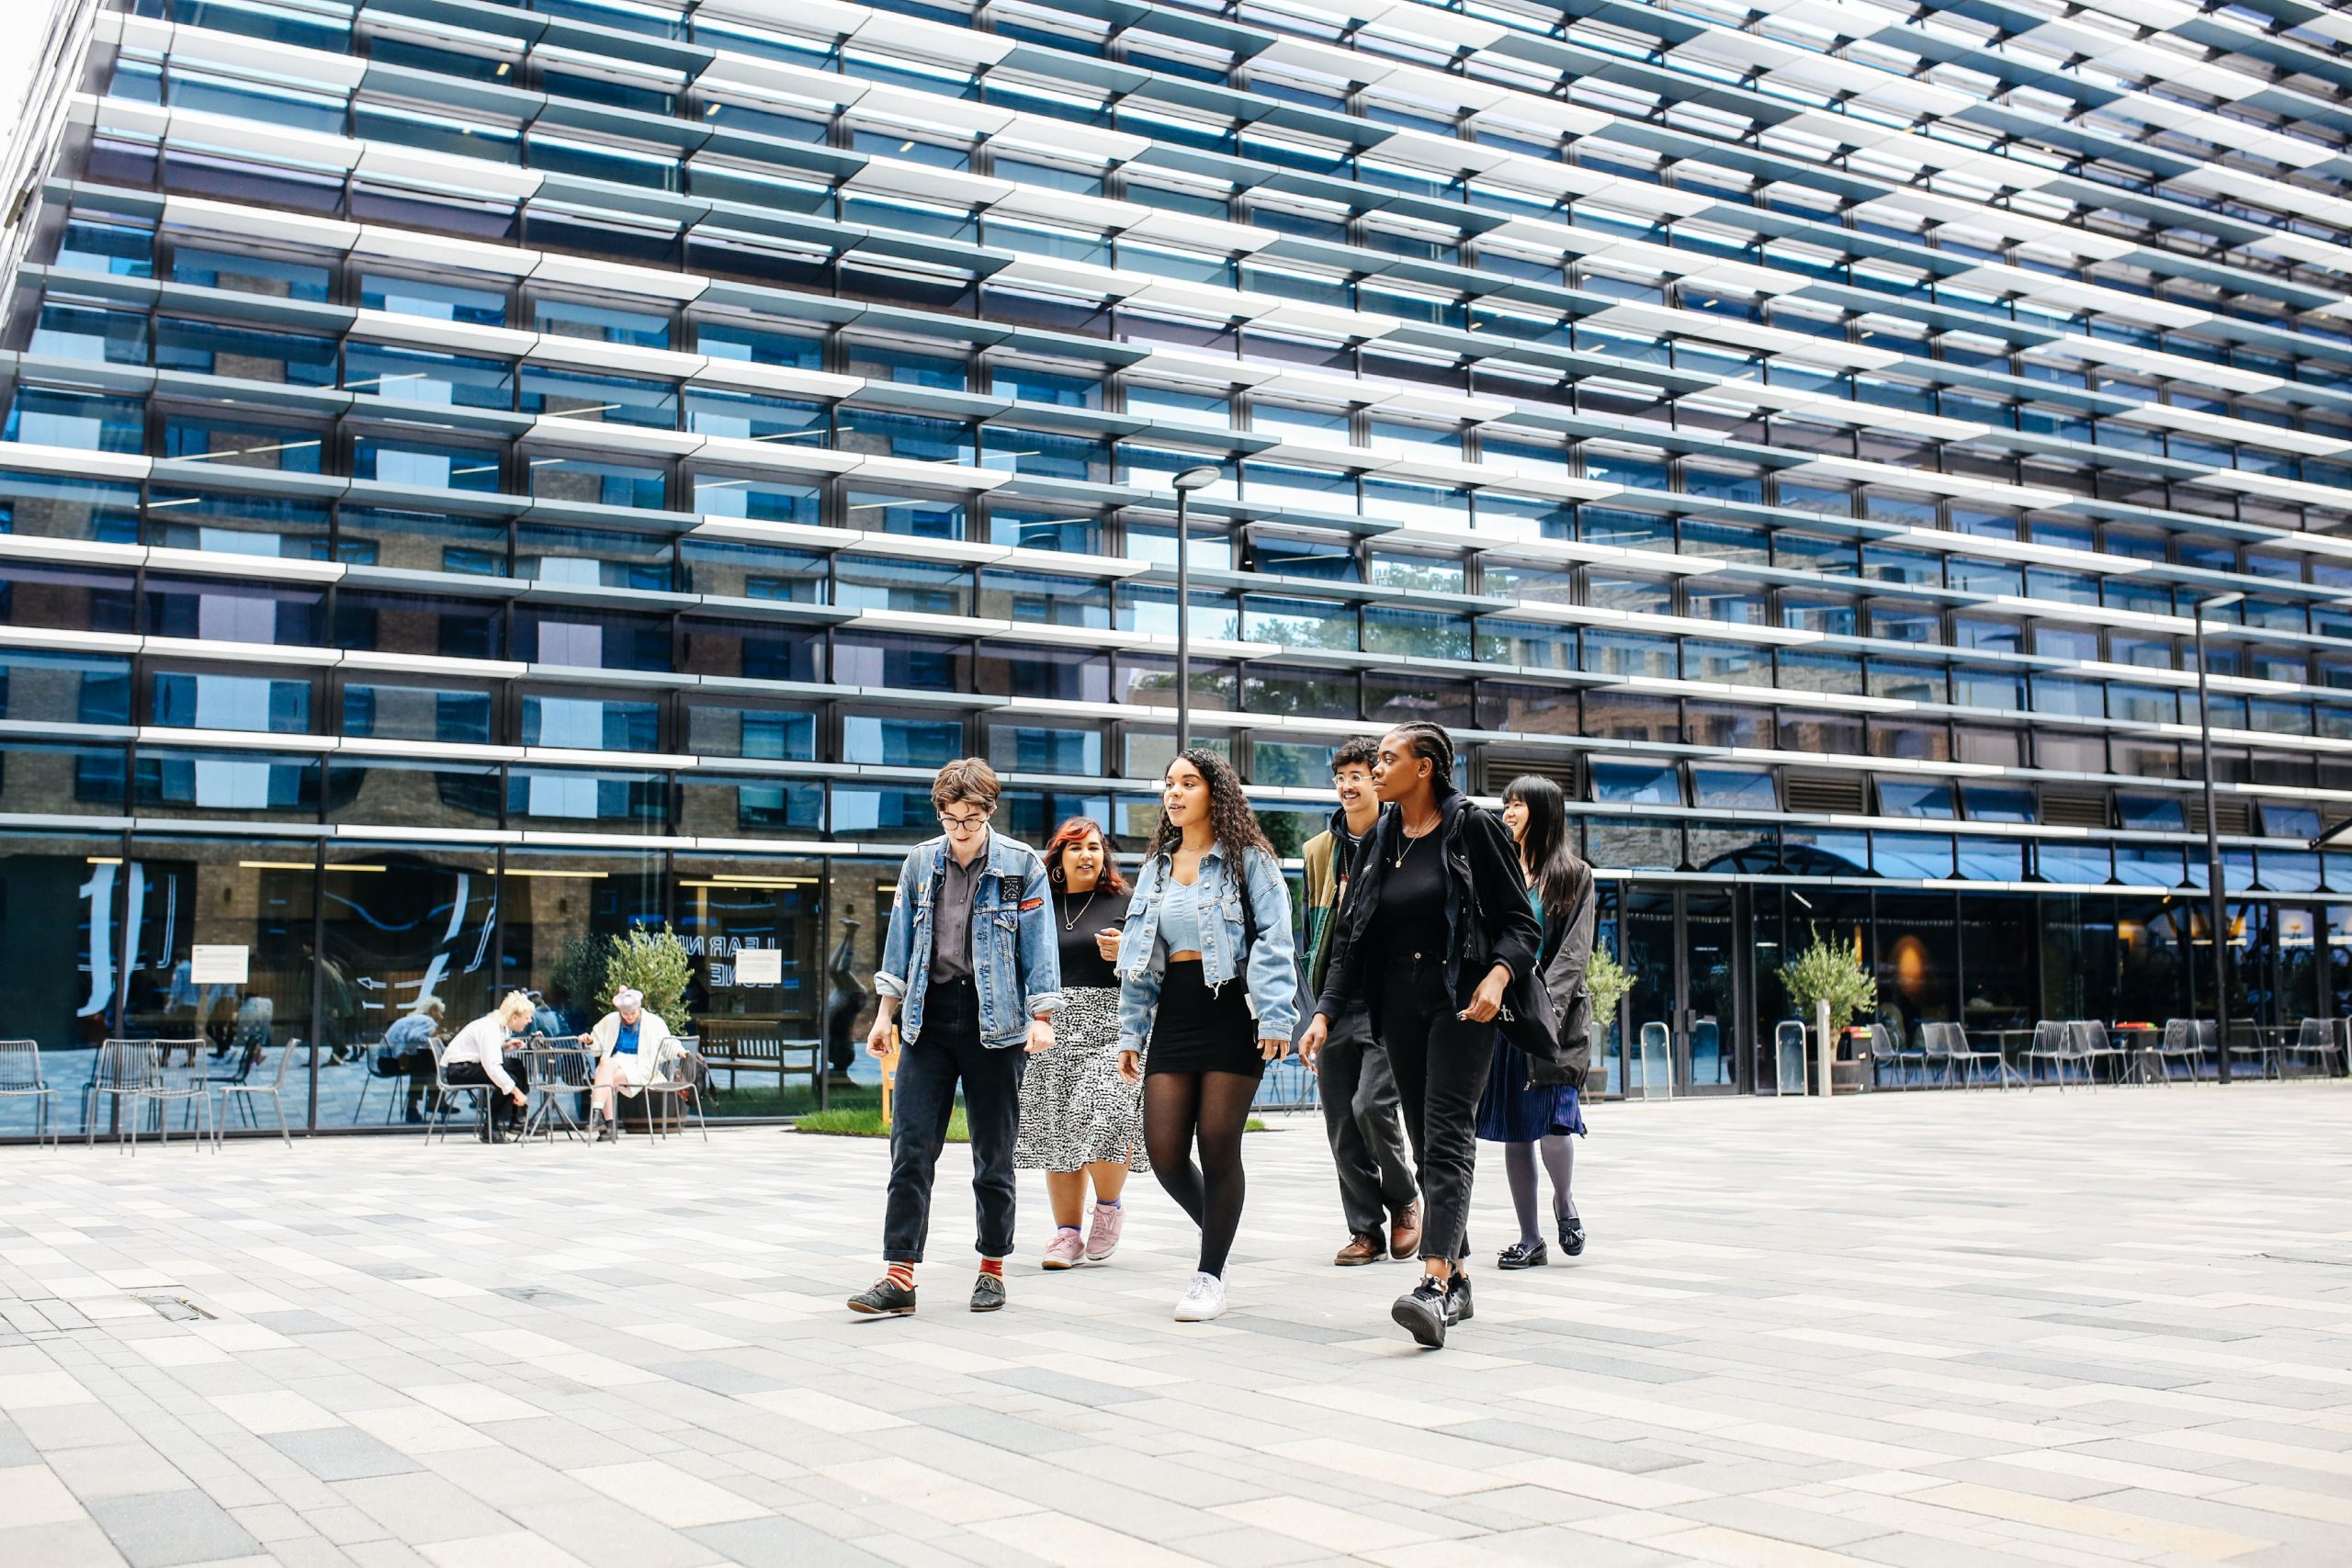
(1082, 962)
(1412, 915)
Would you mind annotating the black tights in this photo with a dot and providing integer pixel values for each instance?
(1217, 1105)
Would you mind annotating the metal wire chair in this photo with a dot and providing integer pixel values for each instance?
(20, 1078)
(681, 1090)
(245, 1092)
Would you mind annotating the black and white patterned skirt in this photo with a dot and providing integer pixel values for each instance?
(1074, 1109)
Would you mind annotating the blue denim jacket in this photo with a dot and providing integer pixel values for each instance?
(1016, 968)
(1272, 978)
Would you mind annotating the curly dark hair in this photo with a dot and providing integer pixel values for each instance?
(1232, 822)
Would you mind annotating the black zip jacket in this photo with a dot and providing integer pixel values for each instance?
(1487, 921)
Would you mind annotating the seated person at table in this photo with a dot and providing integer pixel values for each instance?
(630, 1044)
(480, 1055)
(408, 1048)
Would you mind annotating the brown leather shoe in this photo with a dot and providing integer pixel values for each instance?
(1360, 1249)
(1405, 1231)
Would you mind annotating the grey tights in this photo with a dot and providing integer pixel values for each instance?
(1519, 1163)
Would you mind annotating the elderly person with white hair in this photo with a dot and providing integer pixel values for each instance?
(630, 1044)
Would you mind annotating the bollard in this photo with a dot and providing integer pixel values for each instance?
(1828, 1047)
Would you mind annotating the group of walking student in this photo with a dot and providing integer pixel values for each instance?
(1441, 1002)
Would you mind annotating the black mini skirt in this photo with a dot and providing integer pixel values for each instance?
(1198, 1031)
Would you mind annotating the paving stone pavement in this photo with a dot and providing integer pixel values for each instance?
(1911, 1330)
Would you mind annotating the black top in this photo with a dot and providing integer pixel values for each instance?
(1481, 917)
(1411, 915)
(1082, 962)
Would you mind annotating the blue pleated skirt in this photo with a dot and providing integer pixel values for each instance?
(1513, 1111)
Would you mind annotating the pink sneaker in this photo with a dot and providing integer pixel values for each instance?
(1065, 1250)
(1105, 1239)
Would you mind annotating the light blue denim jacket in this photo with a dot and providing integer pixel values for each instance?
(1016, 968)
(1272, 977)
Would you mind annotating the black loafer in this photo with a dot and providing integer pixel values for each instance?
(1422, 1312)
(884, 1299)
(1523, 1254)
(988, 1293)
(1572, 1237)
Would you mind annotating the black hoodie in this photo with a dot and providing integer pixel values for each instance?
(1488, 918)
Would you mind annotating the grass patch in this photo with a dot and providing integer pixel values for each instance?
(866, 1123)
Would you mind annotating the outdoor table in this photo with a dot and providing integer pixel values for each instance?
(2140, 1046)
(554, 1075)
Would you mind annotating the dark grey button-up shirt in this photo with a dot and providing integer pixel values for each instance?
(951, 923)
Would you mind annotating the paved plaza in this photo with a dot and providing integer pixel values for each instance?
(1908, 1329)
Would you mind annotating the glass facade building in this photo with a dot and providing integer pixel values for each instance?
(477, 477)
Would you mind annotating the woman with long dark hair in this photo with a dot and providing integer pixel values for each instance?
(1437, 926)
(1531, 1105)
(1208, 995)
(1080, 1121)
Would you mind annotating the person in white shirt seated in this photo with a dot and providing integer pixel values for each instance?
(480, 1055)
(630, 1045)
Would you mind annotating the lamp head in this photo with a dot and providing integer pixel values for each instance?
(1197, 479)
(2219, 602)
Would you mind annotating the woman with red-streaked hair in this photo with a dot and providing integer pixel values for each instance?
(1080, 1121)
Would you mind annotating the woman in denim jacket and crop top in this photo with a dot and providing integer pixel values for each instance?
(1208, 995)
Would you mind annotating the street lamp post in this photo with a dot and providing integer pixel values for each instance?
(1186, 484)
(2216, 916)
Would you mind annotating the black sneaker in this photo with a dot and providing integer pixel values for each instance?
(885, 1298)
(1422, 1312)
(1457, 1298)
(988, 1293)
(1523, 1254)
(1572, 1237)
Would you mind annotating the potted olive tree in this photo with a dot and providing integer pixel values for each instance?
(1830, 974)
(1607, 982)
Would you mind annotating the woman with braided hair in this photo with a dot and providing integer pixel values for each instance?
(1208, 995)
(1437, 926)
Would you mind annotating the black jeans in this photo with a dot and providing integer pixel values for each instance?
(947, 1051)
(1440, 1063)
(494, 1099)
(1360, 1117)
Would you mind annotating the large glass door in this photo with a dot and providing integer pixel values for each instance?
(1706, 1039)
(1682, 949)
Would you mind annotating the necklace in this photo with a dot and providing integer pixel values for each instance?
(1411, 838)
(1071, 924)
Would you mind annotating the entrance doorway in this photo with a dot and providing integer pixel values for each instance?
(1685, 951)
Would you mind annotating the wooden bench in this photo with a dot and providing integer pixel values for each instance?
(755, 1050)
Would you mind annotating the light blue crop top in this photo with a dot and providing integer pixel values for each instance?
(1180, 918)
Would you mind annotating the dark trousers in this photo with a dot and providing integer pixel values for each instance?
(949, 1051)
(1360, 1118)
(1440, 1063)
(494, 1098)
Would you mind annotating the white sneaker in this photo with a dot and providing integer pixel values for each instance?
(1203, 1299)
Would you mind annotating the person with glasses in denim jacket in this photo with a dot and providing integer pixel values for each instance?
(1208, 995)
(971, 975)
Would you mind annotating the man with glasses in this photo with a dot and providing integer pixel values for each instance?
(971, 975)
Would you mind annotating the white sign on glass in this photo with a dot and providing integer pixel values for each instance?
(760, 967)
(218, 964)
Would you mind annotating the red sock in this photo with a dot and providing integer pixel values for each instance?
(992, 1266)
(901, 1275)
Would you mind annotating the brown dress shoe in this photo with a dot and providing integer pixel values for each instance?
(1360, 1249)
(1405, 1231)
